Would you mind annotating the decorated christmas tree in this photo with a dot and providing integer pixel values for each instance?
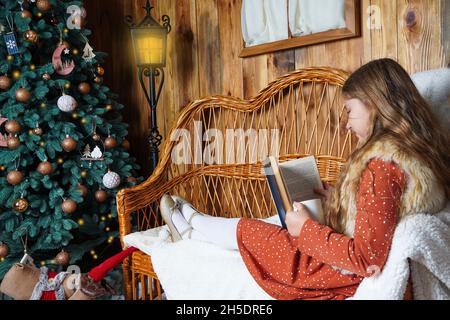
(63, 152)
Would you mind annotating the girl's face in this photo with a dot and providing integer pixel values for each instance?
(359, 118)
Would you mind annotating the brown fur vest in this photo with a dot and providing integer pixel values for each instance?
(423, 192)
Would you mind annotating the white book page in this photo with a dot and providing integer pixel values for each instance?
(301, 176)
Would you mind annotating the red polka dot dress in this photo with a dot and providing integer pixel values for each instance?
(320, 263)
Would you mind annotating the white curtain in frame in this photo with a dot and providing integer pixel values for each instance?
(313, 16)
(264, 21)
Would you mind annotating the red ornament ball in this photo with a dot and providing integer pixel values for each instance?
(68, 144)
(62, 258)
(101, 196)
(45, 168)
(69, 206)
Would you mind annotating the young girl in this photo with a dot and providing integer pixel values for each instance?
(401, 166)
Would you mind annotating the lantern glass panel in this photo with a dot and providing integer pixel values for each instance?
(150, 46)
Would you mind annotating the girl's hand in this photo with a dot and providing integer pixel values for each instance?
(296, 219)
(325, 192)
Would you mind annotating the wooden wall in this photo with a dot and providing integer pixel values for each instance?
(205, 43)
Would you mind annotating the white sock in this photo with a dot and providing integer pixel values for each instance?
(216, 230)
(180, 222)
(220, 231)
(188, 211)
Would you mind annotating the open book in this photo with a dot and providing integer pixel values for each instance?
(291, 181)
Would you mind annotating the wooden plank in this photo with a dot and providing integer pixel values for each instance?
(280, 63)
(255, 75)
(419, 43)
(209, 54)
(445, 32)
(384, 39)
(366, 29)
(230, 45)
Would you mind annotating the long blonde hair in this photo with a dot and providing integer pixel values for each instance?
(399, 113)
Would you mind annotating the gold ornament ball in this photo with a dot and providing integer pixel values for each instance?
(83, 121)
(60, 161)
(39, 14)
(12, 126)
(131, 180)
(16, 74)
(110, 143)
(83, 189)
(101, 196)
(100, 71)
(66, 30)
(75, 51)
(45, 168)
(84, 88)
(68, 144)
(108, 107)
(67, 85)
(13, 142)
(74, 115)
(43, 5)
(20, 205)
(126, 144)
(26, 14)
(80, 222)
(2, 168)
(98, 80)
(4, 250)
(23, 95)
(46, 76)
(62, 258)
(69, 206)
(10, 58)
(5, 83)
(42, 143)
(37, 131)
(14, 177)
(31, 36)
(32, 67)
(43, 105)
(84, 174)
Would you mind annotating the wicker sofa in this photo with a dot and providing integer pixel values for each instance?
(299, 114)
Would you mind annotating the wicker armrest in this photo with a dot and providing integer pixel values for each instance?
(139, 198)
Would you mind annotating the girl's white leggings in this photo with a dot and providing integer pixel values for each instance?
(219, 231)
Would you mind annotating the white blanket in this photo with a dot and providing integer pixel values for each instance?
(190, 269)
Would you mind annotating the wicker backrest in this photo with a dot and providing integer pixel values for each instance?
(304, 109)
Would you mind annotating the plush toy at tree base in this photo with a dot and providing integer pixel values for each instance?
(24, 281)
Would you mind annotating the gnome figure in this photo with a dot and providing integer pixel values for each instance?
(26, 282)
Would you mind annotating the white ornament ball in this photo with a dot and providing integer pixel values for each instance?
(67, 103)
(111, 180)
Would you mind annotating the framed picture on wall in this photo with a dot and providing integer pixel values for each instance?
(269, 27)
